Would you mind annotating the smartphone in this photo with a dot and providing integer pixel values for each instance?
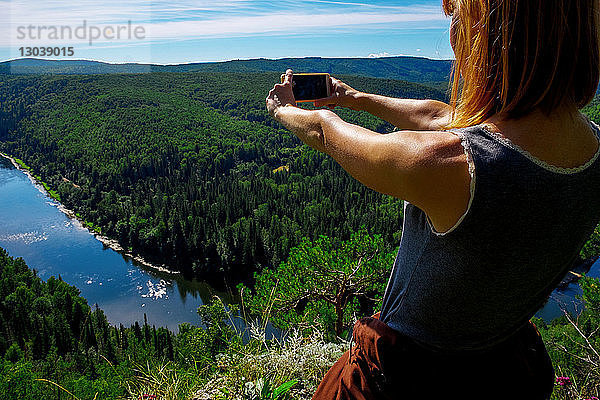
(310, 87)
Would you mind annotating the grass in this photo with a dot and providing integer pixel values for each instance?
(291, 367)
(241, 374)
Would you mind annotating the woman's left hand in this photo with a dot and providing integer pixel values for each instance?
(281, 95)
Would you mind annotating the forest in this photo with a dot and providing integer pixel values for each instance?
(413, 69)
(188, 169)
(48, 330)
(53, 345)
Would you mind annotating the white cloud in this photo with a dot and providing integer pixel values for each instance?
(386, 54)
(204, 19)
(379, 55)
(281, 23)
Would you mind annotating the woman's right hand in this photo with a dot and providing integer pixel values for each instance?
(341, 95)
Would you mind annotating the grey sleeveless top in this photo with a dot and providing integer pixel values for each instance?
(477, 283)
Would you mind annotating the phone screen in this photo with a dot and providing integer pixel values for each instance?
(310, 86)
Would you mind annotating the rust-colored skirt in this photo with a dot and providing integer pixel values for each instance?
(383, 364)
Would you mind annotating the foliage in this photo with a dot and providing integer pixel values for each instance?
(163, 379)
(413, 69)
(185, 168)
(48, 332)
(243, 374)
(573, 342)
(592, 246)
(592, 110)
(267, 392)
(77, 354)
(324, 283)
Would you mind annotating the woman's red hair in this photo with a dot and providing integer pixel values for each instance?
(515, 56)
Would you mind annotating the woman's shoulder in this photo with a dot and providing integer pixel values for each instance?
(445, 178)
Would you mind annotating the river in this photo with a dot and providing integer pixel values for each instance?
(33, 227)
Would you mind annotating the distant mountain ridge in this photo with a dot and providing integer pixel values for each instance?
(412, 69)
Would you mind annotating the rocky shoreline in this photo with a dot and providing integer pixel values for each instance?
(106, 241)
(577, 272)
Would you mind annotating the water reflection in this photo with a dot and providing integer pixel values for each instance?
(185, 287)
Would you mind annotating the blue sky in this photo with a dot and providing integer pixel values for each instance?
(194, 31)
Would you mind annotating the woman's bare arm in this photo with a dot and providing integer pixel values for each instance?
(409, 114)
(428, 169)
(417, 115)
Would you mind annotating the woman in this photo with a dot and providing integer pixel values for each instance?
(501, 192)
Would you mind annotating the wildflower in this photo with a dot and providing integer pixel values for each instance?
(563, 380)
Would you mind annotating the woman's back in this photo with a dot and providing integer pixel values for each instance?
(525, 223)
(564, 139)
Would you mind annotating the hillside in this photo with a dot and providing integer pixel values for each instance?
(50, 336)
(412, 69)
(189, 170)
(54, 346)
(185, 168)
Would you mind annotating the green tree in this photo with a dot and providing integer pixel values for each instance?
(326, 281)
(573, 343)
(14, 353)
(592, 246)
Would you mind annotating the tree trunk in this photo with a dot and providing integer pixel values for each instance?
(339, 320)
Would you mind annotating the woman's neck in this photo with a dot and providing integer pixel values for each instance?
(563, 138)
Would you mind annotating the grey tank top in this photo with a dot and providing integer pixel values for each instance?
(479, 282)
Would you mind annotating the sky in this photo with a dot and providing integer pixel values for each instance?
(186, 31)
